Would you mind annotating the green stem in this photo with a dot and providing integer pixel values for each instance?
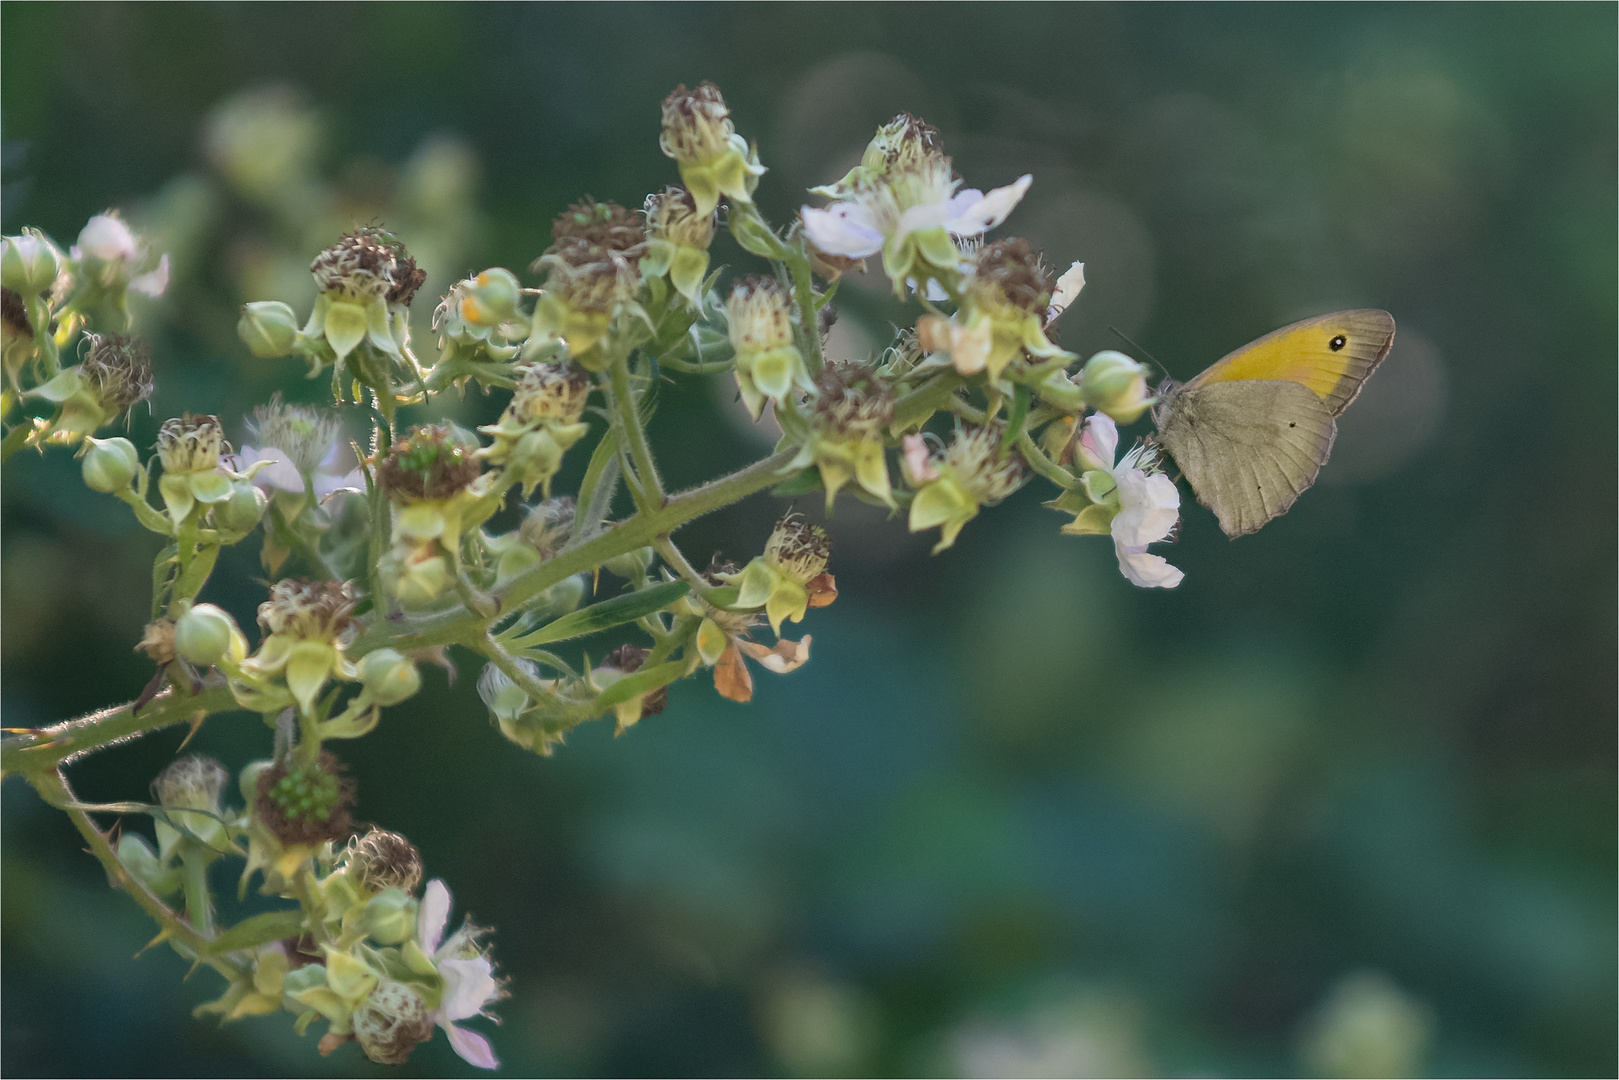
(53, 788)
(41, 750)
(914, 408)
(677, 561)
(1043, 465)
(629, 422)
(804, 293)
(199, 905)
(696, 367)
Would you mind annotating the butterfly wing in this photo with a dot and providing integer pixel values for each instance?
(1249, 447)
(1333, 355)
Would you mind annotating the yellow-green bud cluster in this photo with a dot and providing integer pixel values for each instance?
(768, 364)
(474, 309)
(677, 241)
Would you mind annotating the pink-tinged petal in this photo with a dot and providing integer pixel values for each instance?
(473, 1048)
(107, 238)
(469, 985)
(970, 217)
(432, 915)
(1144, 570)
(153, 282)
(919, 467)
(1099, 442)
(1066, 292)
(785, 656)
(842, 229)
(1150, 508)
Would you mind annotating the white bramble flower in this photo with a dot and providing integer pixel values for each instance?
(297, 442)
(109, 252)
(906, 205)
(469, 977)
(1130, 500)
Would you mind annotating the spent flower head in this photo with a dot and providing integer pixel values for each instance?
(677, 241)
(973, 471)
(713, 159)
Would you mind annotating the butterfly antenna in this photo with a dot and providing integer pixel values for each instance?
(1133, 343)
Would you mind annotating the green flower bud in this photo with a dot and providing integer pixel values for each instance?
(191, 783)
(631, 565)
(390, 917)
(389, 677)
(268, 328)
(391, 1022)
(205, 634)
(242, 509)
(1117, 385)
(29, 264)
(110, 464)
(491, 298)
(142, 862)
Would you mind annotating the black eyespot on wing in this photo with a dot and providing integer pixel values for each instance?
(1292, 423)
(1337, 343)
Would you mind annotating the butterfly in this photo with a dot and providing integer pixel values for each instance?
(1251, 433)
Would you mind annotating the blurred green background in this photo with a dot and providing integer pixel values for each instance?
(1344, 802)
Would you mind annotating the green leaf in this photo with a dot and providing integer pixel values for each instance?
(596, 491)
(608, 613)
(800, 483)
(643, 681)
(259, 930)
(1014, 421)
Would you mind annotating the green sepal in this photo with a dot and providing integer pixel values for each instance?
(258, 930)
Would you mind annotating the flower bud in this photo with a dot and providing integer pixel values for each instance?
(1117, 385)
(631, 565)
(191, 783)
(242, 509)
(491, 298)
(391, 1022)
(144, 865)
(29, 264)
(390, 917)
(205, 634)
(504, 698)
(268, 328)
(389, 677)
(110, 464)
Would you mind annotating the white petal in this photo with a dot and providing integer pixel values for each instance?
(927, 216)
(327, 485)
(842, 229)
(432, 915)
(153, 282)
(1066, 292)
(1139, 527)
(935, 291)
(1144, 570)
(108, 238)
(979, 214)
(281, 474)
(473, 1048)
(1100, 440)
(469, 985)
